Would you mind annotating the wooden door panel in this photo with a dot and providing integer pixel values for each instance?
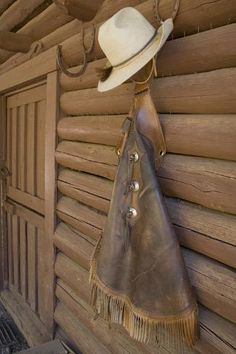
(26, 248)
(26, 147)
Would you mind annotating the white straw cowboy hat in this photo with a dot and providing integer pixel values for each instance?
(129, 42)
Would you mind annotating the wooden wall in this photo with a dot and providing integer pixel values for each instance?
(195, 95)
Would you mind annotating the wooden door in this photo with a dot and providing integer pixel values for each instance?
(27, 246)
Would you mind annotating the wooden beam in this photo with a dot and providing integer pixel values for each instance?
(5, 4)
(15, 42)
(86, 157)
(188, 134)
(17, 13)
(204, 93)
(52, 115)
(83, 10)
(208, 182)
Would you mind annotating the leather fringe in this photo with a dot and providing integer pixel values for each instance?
(174, 331)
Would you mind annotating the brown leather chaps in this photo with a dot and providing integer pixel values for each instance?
(137, 273)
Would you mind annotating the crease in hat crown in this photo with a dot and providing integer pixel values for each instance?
(129, 42)
(124, 35)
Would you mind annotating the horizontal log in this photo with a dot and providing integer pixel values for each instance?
(113, 337)
(87, 198)
(15, 42)
(98, 186)
(96, 159)
(190, 19)
(73, 274)
(78, 249)
(75, 330)
(194, 134)
(5, 4)
(80, 9)
(201, 135)
(94, 129)
(217, 334)
(204, 93)
(40, 26)
(67, 31)
(17, 13)
(203, 230)
(206, 231)
(82, 218)
(214, 283)
(181, 176)
(208, 182)
(191, 55)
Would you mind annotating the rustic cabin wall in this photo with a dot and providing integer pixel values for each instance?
(195, 96)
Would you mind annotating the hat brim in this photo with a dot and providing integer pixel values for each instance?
(122, 73)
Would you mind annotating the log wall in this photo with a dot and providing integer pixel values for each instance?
(195, 96)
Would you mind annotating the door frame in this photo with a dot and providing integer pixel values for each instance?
(32, 73)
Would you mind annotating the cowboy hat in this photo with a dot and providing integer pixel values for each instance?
(129, 42)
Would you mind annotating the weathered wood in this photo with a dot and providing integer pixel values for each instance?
(101, 187)
(25, 73)
(93, 129)
(217, 334)
(204, 230)
(208, 182)
(92, 158)
(201, 135)
(52, 115)
(215, 284)
(190, 19)
(68, 30)
(84, 197)
(73, 274)
(73, 244)
(17, 13)
(81, 336)
(5, 4)
(40, 26)
(191, 55)
(28, 322)
(15, 42)
(180, 176)
(205, 93)
(187, 134)
(80, 9)
(205, 51)
(114, 337)
(77, 215)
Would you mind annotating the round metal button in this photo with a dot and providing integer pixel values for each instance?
(134, 186)
(131, 213)
(134, 156)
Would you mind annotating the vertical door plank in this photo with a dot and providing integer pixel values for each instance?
(32, 266)
(14, 147)
(3, 234)
(41, 276)
(40, 164)
(10, 258)
(31, 149)
(15, 248)
(23, 259)
(22, 148)
(9, 130)
(52, 109)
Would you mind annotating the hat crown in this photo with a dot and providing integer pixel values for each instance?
(124, 35)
